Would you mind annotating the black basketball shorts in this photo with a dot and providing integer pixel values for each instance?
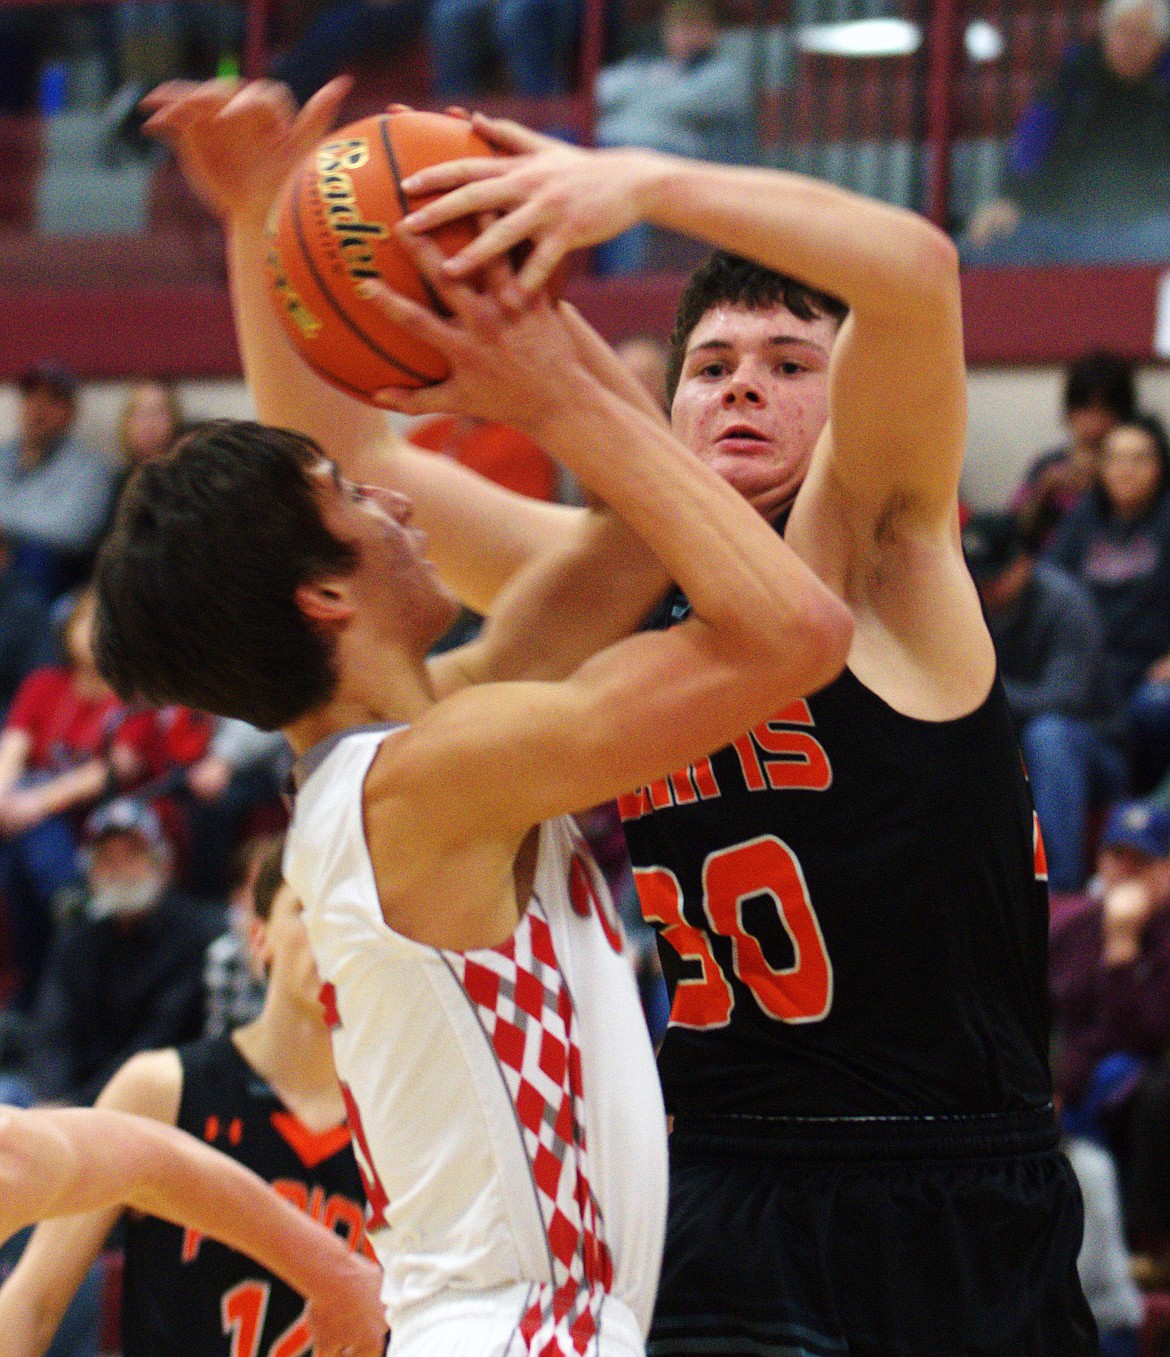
(903, 1237)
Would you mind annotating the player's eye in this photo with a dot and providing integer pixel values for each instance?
(712, 370)
(790, 368)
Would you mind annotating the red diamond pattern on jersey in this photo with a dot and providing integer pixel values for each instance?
(525, 1008)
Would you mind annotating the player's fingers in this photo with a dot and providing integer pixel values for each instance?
(539, 265)
(321, 110)
(453, 174)
(407, 313)
(423, 400)
(499, 277)
(169, 92)
(399, 108)
(262, 105)
(203, 101)
(501, 236)
(457, 111)
(510, 136)
(428, 259)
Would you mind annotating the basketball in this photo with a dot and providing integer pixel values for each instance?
(332, 229)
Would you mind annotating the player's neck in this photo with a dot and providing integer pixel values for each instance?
(389, 690)
(290, 1049)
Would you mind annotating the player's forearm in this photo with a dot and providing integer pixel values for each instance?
(62, 1162)
(881, 260)
(737, 572)
(479, 534)
(286, 391)
(570, 603)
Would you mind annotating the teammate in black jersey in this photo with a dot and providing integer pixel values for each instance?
(268, 1097)
(851, 899)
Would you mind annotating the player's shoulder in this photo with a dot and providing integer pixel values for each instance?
(149, 1084)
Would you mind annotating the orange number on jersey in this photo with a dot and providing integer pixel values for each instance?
(242, 1312)
(803, 992)
(706, 1000)
(295, 1341)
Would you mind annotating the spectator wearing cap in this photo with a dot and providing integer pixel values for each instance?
(1049, 641)
(127, 975)
(66, 743)
(54, 492)
(1109, 968)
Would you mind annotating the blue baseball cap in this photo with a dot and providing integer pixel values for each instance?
(1141, 825)
(125, 816)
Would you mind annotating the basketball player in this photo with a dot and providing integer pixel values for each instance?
(486, 1025)
(857, 1058)
(268, 1097)
(55, 1161)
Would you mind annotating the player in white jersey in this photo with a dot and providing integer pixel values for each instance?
(503, 1096)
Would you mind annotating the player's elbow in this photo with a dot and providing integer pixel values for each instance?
(817, 639)
(931, 259)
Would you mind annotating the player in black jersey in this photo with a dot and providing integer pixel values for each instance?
(864, 1157)
(268, 1097)
(851, 895)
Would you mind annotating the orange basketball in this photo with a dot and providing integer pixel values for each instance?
(332, 228)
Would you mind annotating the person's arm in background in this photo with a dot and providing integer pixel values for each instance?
(58, 1162)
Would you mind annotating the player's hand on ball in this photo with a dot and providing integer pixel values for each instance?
(236, 143)
(347, 1319)
(508, 362)
(559, 197)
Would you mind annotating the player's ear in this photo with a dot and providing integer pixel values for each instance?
(326, 601)
(259, 949)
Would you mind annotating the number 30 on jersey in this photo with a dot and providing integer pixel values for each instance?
(802, 992)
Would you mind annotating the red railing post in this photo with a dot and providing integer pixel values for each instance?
(592, 50)
(255, 63)
(942, 39)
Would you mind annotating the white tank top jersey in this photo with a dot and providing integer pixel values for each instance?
(504, 1102)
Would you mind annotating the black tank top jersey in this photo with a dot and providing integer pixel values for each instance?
(852, 914)
(187, 1296)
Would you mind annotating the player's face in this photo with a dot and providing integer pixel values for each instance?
(753, 397)
(392, 578)
(285, 950)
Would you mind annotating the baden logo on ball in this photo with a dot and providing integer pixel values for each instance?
(333, 228)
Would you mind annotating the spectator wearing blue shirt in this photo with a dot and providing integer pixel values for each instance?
(1088, 163)
(27, 638)
(1050, 645)
(54, 492)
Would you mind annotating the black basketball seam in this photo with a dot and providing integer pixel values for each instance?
(404, 204)
(346, 320)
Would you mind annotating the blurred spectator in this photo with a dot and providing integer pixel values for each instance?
(646, 358)
(1089, 161)
(27, 641)
(1098, 395)
(1117, 543)
(1109, 969)
(150, 421)
(242, 770)
(1103, 1262)
(695, 100)
(233, 983)
(27, 34)
(532, 38)
(128, 975)
(344, 32)
(498, 451)
(1049, 642)
(67, 742)
(54, 492)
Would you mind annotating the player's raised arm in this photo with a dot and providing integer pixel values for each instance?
(56, 1162)
(898, 368)
(236, 143)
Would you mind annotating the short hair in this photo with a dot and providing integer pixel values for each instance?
(196, 584)
(728, 280)
(1155, 431)
(269, 879)
(1101, 379)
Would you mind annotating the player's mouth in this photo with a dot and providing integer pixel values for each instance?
(742, 438)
